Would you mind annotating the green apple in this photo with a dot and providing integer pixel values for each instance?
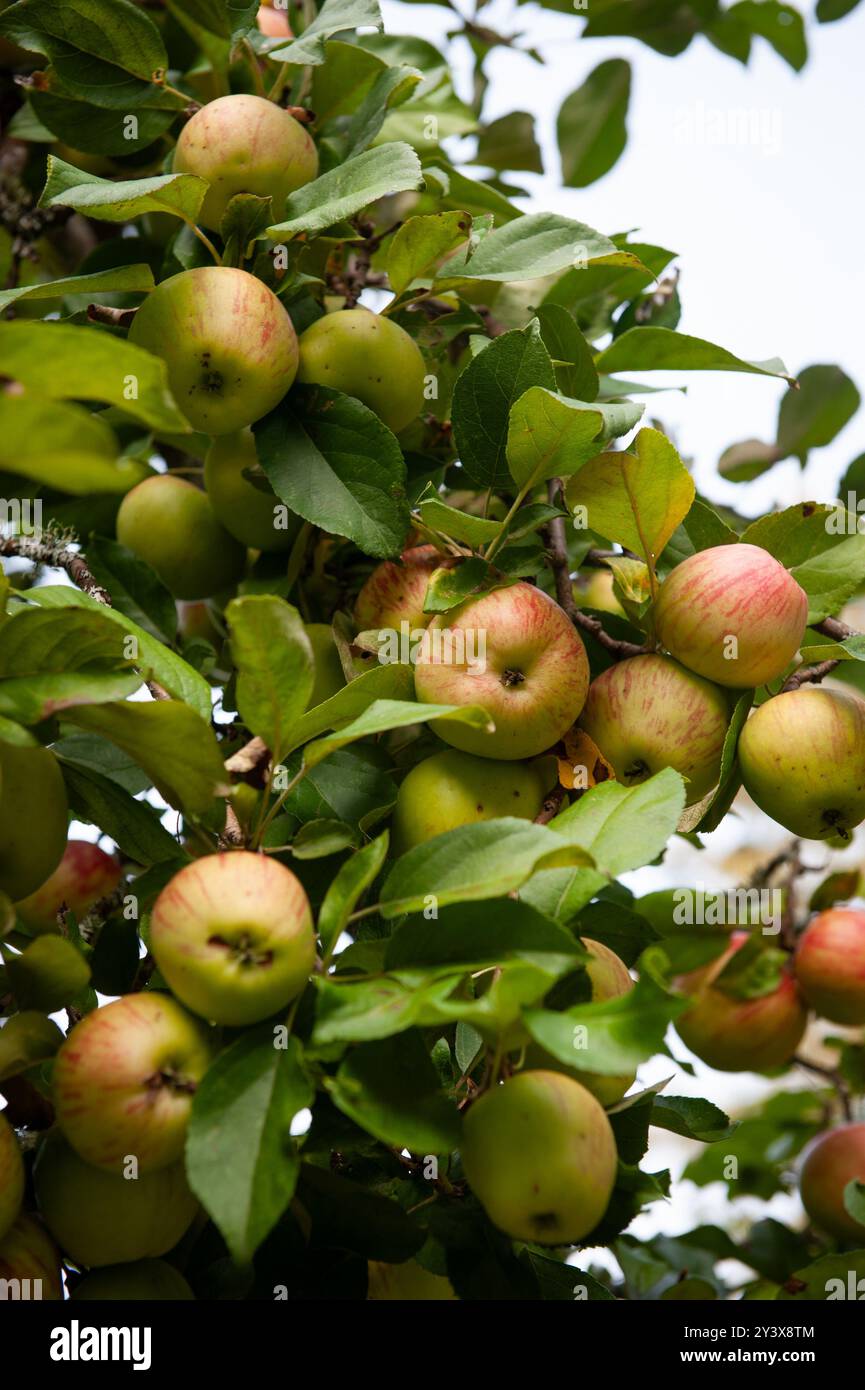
(733, 614)
(830, 965)
(329, 675)
(830, 1162)
(169, 523)
(408, 1282)
(648, 713)
(610, 979)
(451, 789)
(27, 1255)
(395, 591)
(253, 515)
(33, 818)
(515, 653)
(11, 1176)
(84, 875)
(802, 756)
(125, 1078)
(147, 1281)
(100, 1219)
(595, 590)
(732, 1034)
(540, 1157)
(245, 144)
(233, 936)
(364, 355)
(227, 342)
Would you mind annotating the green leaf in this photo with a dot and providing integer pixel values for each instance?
(133, 825)
(781, 25)
(240, 1158)
(102, 131)
(119, 279)
(827, 1279)
(63, 446)
(741, 463)
(317, 839)
(334, 17)
(624, 828)
(391, 1089)
(68, 362)
(354, 877)
(48, 974)
(136, 590)
(25, 1039)
(692, 1117)
(421, 243)
(95, 46)
(509, 143)
(36, 640)
(169, 741)
(272, 694)
(348, 189)
(551, 436)
(348, 1216)
(31, 699)
(535, 245)
(331, 460)
(828, 11)
(391, 89)
(609, 1038)
(811, 417)
(470, 935)
(385, 682)
(460, 526)
(383, 715)
(664, 350)
(575, 364)
(180, 195)
(486, 860)
(591, 123)
(484, 394)
(637, 499)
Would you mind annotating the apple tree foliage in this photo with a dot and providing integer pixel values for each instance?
(342, 1145)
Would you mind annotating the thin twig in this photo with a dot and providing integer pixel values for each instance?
(836, 1079)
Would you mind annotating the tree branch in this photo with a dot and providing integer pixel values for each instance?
(829, 627)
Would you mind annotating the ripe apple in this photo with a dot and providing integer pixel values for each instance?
(369, 357)
(148, 1280)
(451, 789)
(648, 713)
(729, 592)
(100, 1219)
(228, 343)
(802, 756)
(830, 965)
(514, 652)
(33, 818)
(395, 591)
(124, 1080)
(407, 1281)
(169, 523)
(11, 1176)
(831, 1161)
(273, 23)
(84, 875)
(27, 1252)
(540, 1157)
(733, 1034)
(233, 936)
(245, 144)
(253, 515)
(329, 675)
(610, 979)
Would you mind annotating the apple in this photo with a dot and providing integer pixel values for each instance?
(407, 1281)
(610, 979)
(11, 1176)
(802, 756)
(733, 614)
(195, 620)
(733, 1034)
(33, 818)
(329, 675)
(226, 340)
(395, 591)
(169, 523)
(830, 965)
(233, 936)
(100, 1219)
(147, 1280)
(648, 713)
(125, 1078)
(273, 23)
(253, 515)
(84, 875)
(540, 1156)
(245, 144)
(369, 357)
(27, 1255)
(831, 1161)
(451, 789)
(514, 652)
(595, 590)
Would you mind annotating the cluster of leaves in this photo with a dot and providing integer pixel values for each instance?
(530, 325)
